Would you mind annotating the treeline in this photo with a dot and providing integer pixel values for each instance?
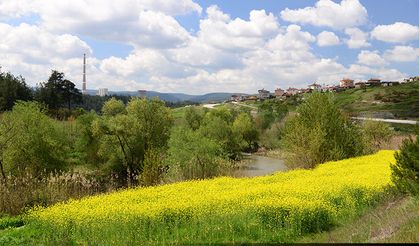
(59, 95)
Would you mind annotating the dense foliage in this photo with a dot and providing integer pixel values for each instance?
(274, 208)
(406, 169)
(319, 132)
(58, 92)
(29, 140)
(12, 89)
(126, 134)
(376, 133)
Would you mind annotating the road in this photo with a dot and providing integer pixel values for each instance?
(410, 122)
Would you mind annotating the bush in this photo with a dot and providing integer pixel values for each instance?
(319, 133)
(30, 141)
(376, 133)
(194, 156)
(405, 172)
(18, 193)
(271, 137)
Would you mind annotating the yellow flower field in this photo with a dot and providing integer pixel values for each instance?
(295, 202)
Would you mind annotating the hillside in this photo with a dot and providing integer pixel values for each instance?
(176, 97)
(401, 102)
(275, 208)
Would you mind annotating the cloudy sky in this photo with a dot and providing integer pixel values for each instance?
(197, 47)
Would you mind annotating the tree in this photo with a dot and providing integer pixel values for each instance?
(194, 156)
(128, 134)
(216, 127)
(12, 89)
(194, 117)
(29, 141)
(270, 111)
(243, 126)
(319, 132)
(86, 143)
(376, 133)
(113, 107)
(58, 92)
(405, 172)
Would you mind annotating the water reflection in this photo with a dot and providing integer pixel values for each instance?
(255, 165)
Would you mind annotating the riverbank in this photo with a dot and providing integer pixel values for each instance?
(396, 220)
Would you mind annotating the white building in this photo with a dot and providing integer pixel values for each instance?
(102, 92)
(263, 94)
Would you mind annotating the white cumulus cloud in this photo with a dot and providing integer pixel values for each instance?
(326, 38)
(398, 32)
(371, 58)
(357, 38)
(347, 13)
(402, 54)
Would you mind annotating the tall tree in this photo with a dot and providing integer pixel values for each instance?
(58, 92)
(128, 135)
(12, 88)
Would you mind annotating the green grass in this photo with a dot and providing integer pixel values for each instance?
(394, 221)
(402, 100)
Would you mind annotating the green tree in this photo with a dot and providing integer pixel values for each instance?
(244, 126)
(376, 133)
(12, 89)
(127, 135)
(405, 172)
(270, 111)
(194, 156)
(58, 92)
(113, 107)
(86, 143)
(319, 132)
(216, 127)
(30, 141)
(194, 117)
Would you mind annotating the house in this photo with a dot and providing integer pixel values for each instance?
(235, 98)
(346, 83)
(373, 82)
(251, 98)
(331, 89)
(263, 94)
(360, 85)
(390, 83)
(292, 91)
(279, 92)
(315, 87)
(411, 79)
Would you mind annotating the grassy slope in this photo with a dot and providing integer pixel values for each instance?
(402, 100)
(394, 221)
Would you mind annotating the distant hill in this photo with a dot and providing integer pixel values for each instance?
(175, 97)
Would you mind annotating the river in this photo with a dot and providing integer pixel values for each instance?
(256, 165)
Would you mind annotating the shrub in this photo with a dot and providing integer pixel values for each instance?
(30, 141)
(376, 133)
(319, 132)
(194, 156)
(405, 172)
(18, 193)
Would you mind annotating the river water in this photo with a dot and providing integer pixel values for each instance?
(255, 165)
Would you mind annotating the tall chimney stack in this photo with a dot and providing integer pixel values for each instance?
(84, 90)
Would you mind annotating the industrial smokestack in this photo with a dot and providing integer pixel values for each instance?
(84, 90)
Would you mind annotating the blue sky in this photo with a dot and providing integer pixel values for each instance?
(208, 46)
